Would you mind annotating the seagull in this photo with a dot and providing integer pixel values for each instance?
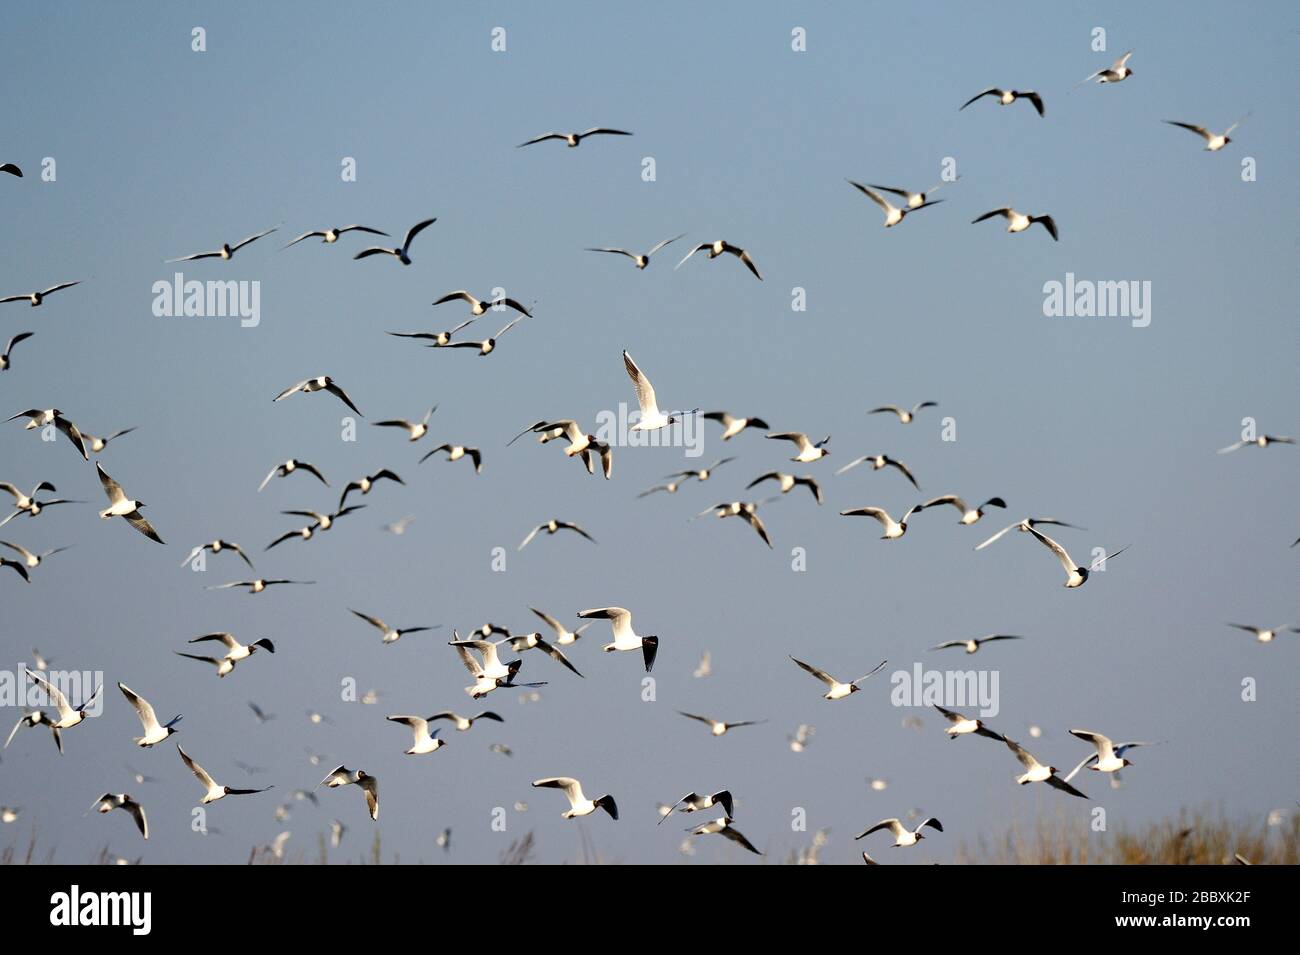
(119, 505)
(732, 426)
(492, 667)
(217, 546)
(624, 636)
(225, 252)
(43, 418)
(322, 522)
(704, 667)
(1109, 757)
(9, 814)
(563, 636)
(12, 169)
(722, 826)
(488, 345)
(214, 789)
(225, 665)
(1007, 97)
(391, 634)
(36, 718)
(719, 728)
(915, 200)
(330, 236)
(694, 802)
(27, 502)
(1263, 441)
(365, 484)
(154, 733)
(4, 357)
(236, 651)
(1036, 772)
(1024, 525)
(398, 527)
(422, 740)
(483, 682)
(807, 450)
(403, 254)
(838, 690)
(964, 725)
(1076, 576)
(258, 585)
(99, 444)
(905, 416)
(261, 715)
(720, 247)
(288, 467)
(530, 641)
(36, 298)
(651, 417)
(68, 717)
(39, 660)
(1016, 222)
(455, 452)
(968, 515)
(342, 776)
(1213, 141)
(701, 475)
(879, 461)
(573, 139)
(579, 805)
(439, 339)
(319, 383)
(746, 509)
(671, 488)
(580, 443)
(479, 307)
(788, 482)
(893, 528)
(551, 527)
(336, 833)
(1117, 72)
(110, 801)
(893, 214)
(30, 559)
(414, 429)
(902, 835)
(1262, 635)
(463, 723)
(973, 646)
(641, 260)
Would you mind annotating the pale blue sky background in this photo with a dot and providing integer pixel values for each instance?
(162, 151)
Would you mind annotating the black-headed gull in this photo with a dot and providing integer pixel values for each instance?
(1109, 756)
(1213, 141)
(534, 641)
(563, 636)
(488, 345)
(974, 644)
(330, 236)
(225, 252)
(894, 529)
(807, 450)
(1265, 635)
(463, 723)
(27, 503)
(4, 356)
(904, 415)
(1036, 772)
(258, 585)
(235, 651)
(788, 482)
(415, 430)
(551, 527)
(573, 139)
(31, 560)
(902, 835)
(1263, 441)
(694, 802)
(748, 510)
(402, 254)
(44, 417)
(366, 483)
(154, 732)
(1117, 72)
(969, 515)
(213, 790)
(68, 717)
(1018, 222)
(651, 417)
(893, 214)
(838, 690)
(879, 461)
(391, 634)
(110, 801)
(217, 546)
(422, 741)
(702, 474)
(319, 383)
(1023, 526)
(1007, 97)
(96, 444)
(722, 826)
(723, 247)
(625, 637)
(964, 725)
(719, 727)
(342, 776)
(640, 259)
(732, 426)
(479, 306)
(35, 718)
(438, 339)
(289, 467)
(1076, 575)
(36, 298)
(320, 522)
(457, 451)
(579, 804)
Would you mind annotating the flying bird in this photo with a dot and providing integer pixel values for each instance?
(651, 417)
(563, 636)
(391, 634)
(915, 200)
(235, 651)
(31, 560)
(534, 641)
(701, 475)
(110, 801)
(722, 826)
(154, 732)
(838, 690)
(1076, 576)
(258, 585)
(1036, 772)
(879, 461)
(1117, 72)
(479, 307)
(422, 740)
(1024, 525)
(551, 527)
(721, 247)
(455, 452)
(1007, 97)
(719, 728)
(96, 444)
(641, 260)
(34, 718)
(439, 339)
(893, 214)
(579, 804)
(1263, 441)
(964, 725)
(968, 514)
(330, 236)
(342, 776)
(488, 345)
(973, 646)
(625, 637)
(748, 510)
(894, 529)
(732, 426)
(213, 790)
(320, 383)
(902, 835)
(788, 482)
(119, 505)
(573, 139)
(217, 546)
(1213, 141)
(463, 723)
(1265, 635)
(1109, 756)
(288, 467)
(44, 417)
(366, 483)
(68, 717)
(694, 802)
(415, 430)
(226, 251)
(1017, 222)
(402, 254)
(905, 415)
(807, 451)
(4, 356)
(37, 298)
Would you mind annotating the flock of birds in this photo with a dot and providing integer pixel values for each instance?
(483, 649)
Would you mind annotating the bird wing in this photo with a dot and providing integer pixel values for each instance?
(645, 392)
(334, 389)
(143, 709)
(819, 674)
(56, 696)
(141, 523)
(991, 90)
(197, 770)
(415, 230)
(1066, 561)
(252, 238)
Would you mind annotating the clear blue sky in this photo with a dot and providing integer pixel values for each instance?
(162, 151)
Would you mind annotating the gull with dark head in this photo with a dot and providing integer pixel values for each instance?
(402, 254)
(973, 645)
(463, 723)
(723, 247)
(258, 585)
(31, 560)
(893, 214)
(154, 732)
(415, 430)
(965, 725)
(68, 717)
(488, 345)
(789, 482)
(563, 636)
(1036, 772)
(367, 482)
(894, 529)
(534, 641)
(1109, 756)
(457, 451)
(551, 527)
(319, 383)
(4, 356)
(573, 139)
(44, 417)
(96, 444)
(969, 515)
(722, 826)
(1007, 97)
(838, 690)
(437, 339)
(226, 251)
(213, 790)
(807, 451)
(1018, 222)
(719, 728)
(119, 505)
(1263, 441)
(1213, 141)
(651, 417)
(479, 306)
(342, 776)
(216, 547)
(422, 741)
(110, 801)
(330, 236)
(579, 804)
(37, 298)
(1023, 527)
(641, 260)
(625, 638)
(1076, 575)
(732, 426)
(1265, 635)
(694, 802)
(879, 461)
(1117, 72)
(903, 836)
(288, 467)
(391, 634)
